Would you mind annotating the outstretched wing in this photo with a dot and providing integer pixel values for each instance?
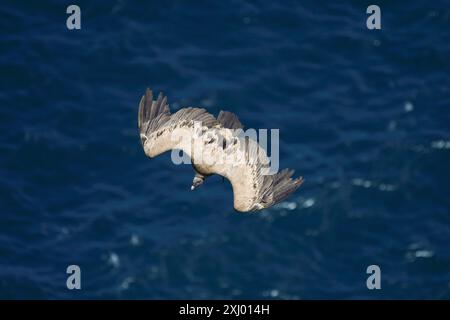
(156, 124)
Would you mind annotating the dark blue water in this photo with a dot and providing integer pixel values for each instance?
(363, 116)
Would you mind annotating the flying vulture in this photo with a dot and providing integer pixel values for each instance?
(214, 146)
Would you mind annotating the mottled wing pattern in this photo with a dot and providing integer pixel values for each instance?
(253, 189)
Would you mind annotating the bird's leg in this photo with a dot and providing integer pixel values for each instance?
(197, 181)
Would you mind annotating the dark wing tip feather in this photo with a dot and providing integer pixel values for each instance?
(229, 120)
(148, 102)
(281, 186)
(153, 115)
(285, 185)
(150, 111)
(141, 112)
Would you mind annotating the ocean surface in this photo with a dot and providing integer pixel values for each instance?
(364, 117)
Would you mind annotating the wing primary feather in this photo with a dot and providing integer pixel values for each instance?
(148, 104)
(141, 111)
(155, 106)
(278, 187)
(152, 114)
(259, 190)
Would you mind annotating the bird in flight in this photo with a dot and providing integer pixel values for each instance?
(214, 146)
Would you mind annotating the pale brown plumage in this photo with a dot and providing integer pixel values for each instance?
(240, 160)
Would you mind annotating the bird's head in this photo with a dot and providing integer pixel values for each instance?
(198, 180)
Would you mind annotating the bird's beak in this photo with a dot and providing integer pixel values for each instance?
(192, 188)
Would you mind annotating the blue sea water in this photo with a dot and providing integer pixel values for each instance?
(363, 116)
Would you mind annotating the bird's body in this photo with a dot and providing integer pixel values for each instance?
(215, 146)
